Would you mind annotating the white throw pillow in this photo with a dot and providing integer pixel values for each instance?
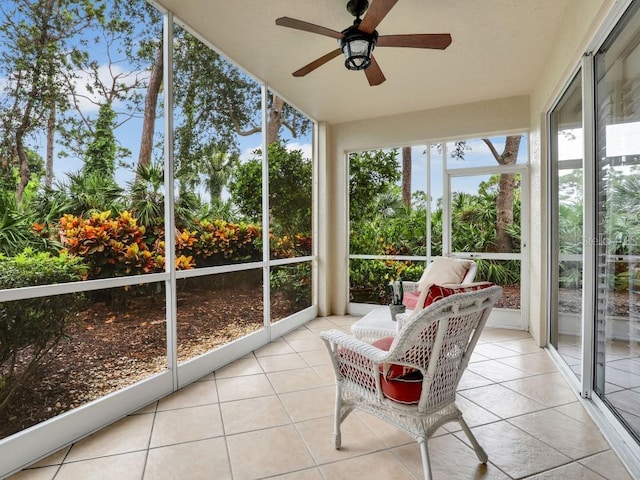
(444, 270)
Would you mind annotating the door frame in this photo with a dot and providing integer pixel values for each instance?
(500, 317)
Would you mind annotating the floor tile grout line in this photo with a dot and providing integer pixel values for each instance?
(224, 433)
(146, 456)
(572, 460)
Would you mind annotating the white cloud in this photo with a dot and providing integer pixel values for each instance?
(306, 148)
(248, 153)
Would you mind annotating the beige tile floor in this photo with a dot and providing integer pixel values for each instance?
(269, 415)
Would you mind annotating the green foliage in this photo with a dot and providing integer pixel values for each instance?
(502, 272)
(622, 213)
(16, 227)
(80, 195)
(401, 233)
(147, 195)
(30, 328)
(217, 168)
(245, 188)
(101, 152)
(369, 279)
(570, 274)
(390, 230)
(371, 174)
(289, 189)
(294, 281)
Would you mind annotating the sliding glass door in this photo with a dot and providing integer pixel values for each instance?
(617, 363)
(567, 229)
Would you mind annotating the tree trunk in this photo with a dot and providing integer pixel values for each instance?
(24, 166)
(504, 199)
(150, 106)
(274, 120)
(51, 133)
(406, 176)
(21, 133)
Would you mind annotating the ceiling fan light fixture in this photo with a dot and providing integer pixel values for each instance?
(357, 47)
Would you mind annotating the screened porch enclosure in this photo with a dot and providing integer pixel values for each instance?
(191, 216)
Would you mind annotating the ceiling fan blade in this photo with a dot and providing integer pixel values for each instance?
(438, 41)
(373, 73)
(376, 12)
(307, 27)
(317, 63)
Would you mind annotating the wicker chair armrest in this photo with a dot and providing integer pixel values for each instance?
(336, 339)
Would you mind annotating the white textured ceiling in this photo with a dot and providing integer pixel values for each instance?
(498, 48)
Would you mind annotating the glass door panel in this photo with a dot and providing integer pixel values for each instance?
(567, 226)
(617, 372)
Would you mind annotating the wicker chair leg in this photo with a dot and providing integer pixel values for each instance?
(426, 464)
(337, 419)
(482, 455)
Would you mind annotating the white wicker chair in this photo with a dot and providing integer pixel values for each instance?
(438, 342)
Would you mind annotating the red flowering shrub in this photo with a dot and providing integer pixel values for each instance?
(113, 247)
(117, 246)
(290, 246)
(213, 243)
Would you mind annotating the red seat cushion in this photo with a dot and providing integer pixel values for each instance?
(438, 292)
(401, 383)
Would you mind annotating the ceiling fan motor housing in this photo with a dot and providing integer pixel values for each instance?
(357, 7)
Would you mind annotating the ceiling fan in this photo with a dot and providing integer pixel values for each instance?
(358, 41)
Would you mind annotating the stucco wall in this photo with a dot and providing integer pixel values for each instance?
(583, 19)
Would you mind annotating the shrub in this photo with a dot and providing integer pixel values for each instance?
(113, 247)
(16, 231)
(110, 247)
(369, 279)
(30, 328)
(294, 281)
(215, 242)
(290, 246)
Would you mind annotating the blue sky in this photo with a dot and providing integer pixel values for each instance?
(478, 155)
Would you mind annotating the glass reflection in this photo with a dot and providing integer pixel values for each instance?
(617, 368)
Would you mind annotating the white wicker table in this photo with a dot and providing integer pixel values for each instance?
(375, 325)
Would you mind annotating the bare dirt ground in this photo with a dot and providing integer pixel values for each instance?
(115, 345)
